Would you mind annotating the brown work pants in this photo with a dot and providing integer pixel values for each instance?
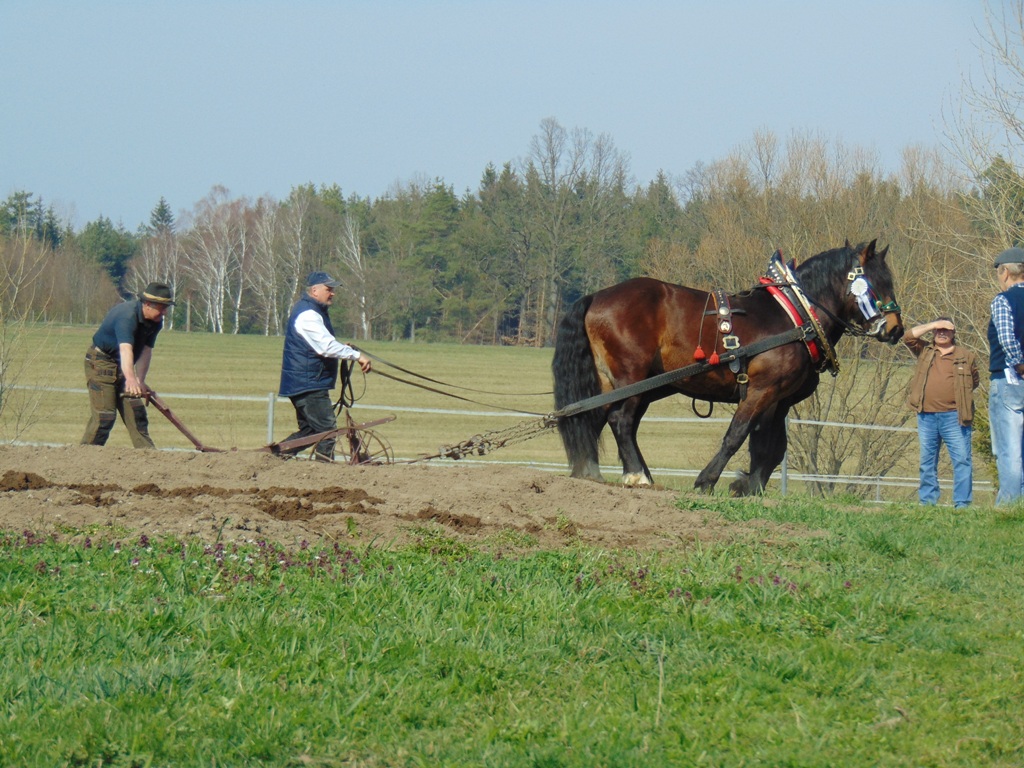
(105, 381)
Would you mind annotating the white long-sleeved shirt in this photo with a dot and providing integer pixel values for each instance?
(309, 325)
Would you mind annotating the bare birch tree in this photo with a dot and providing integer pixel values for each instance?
(985, 133)
(160, 258)
(294, 262)
(568, 176)
(350, 253)
(212, 255)
(22, 263)
(243, 223)
(263, 278)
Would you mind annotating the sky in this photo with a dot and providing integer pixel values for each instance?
(108, 105)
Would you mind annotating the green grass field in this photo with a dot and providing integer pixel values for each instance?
(887, 637)
(198, 374)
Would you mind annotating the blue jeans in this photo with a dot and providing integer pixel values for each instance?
(934, 429)
(1006, 422)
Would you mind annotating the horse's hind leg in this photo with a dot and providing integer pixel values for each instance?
(581, 435)
(624, 419)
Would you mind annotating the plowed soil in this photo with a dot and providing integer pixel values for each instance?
(79, 491)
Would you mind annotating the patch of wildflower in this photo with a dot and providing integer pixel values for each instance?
(639, 579)
(225, 564)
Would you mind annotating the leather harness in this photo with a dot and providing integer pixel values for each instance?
(782, 284)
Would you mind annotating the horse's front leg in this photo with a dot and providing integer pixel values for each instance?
(769, 441)
(746, 414)
(624, 419)
(767, 448)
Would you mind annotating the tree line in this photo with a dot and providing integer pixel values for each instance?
(500, 264)
(495, 265)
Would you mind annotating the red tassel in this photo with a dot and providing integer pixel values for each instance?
(698, 353)
(713, 360)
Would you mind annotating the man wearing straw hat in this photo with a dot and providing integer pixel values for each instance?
(116, 365)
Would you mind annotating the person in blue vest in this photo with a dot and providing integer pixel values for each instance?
(1006, 370)
(309, 364)
(116, 365)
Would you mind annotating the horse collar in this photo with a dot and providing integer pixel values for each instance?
(783, 285)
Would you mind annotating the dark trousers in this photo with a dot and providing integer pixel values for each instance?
(105, 381)
(314, 413)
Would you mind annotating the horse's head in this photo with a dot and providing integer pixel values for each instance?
(870, 298)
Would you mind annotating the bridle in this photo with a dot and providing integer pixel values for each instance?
(858, 285)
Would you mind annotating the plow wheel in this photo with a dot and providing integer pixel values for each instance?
(362, 446)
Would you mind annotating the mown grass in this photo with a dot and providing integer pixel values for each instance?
(870, 637)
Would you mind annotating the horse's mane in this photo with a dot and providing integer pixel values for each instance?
(817, 275)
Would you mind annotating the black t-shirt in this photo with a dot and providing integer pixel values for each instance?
(125, 324)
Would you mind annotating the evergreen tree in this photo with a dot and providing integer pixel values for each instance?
(21, 216)
(161, 220)
(109, 246)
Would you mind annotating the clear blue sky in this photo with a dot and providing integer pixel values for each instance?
(107, 105)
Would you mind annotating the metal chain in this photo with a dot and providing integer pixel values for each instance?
(484, 443)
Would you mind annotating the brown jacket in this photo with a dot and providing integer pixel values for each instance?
(966, 363)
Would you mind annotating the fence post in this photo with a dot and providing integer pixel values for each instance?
(785, 462)
(271, 399)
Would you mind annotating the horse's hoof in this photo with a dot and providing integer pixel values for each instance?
(634, 479)
(703, 485)
(587, 474)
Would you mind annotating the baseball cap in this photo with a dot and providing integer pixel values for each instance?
(320, 278)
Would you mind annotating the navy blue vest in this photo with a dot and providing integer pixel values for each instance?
(302, 369)
(997, 358)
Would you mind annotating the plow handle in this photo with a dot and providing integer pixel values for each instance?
(161, 406)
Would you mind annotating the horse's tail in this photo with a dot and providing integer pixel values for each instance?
(576, 379)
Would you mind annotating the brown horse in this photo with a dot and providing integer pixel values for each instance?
(643, 327)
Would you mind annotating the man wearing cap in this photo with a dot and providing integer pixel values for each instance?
(1006, 370)
(309, 364)
(942, 393)
(116, 365)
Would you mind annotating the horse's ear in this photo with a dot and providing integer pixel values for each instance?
(868, 253)
(848, 246)
(883, 253)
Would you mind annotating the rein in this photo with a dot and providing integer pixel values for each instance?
(443, 383)
(457, 397)
(853, 330)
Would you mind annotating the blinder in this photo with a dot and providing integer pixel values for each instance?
(867, 301)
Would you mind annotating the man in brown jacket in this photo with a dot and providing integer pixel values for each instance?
(942, 393)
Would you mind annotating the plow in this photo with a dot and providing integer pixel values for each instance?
(356, 443)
